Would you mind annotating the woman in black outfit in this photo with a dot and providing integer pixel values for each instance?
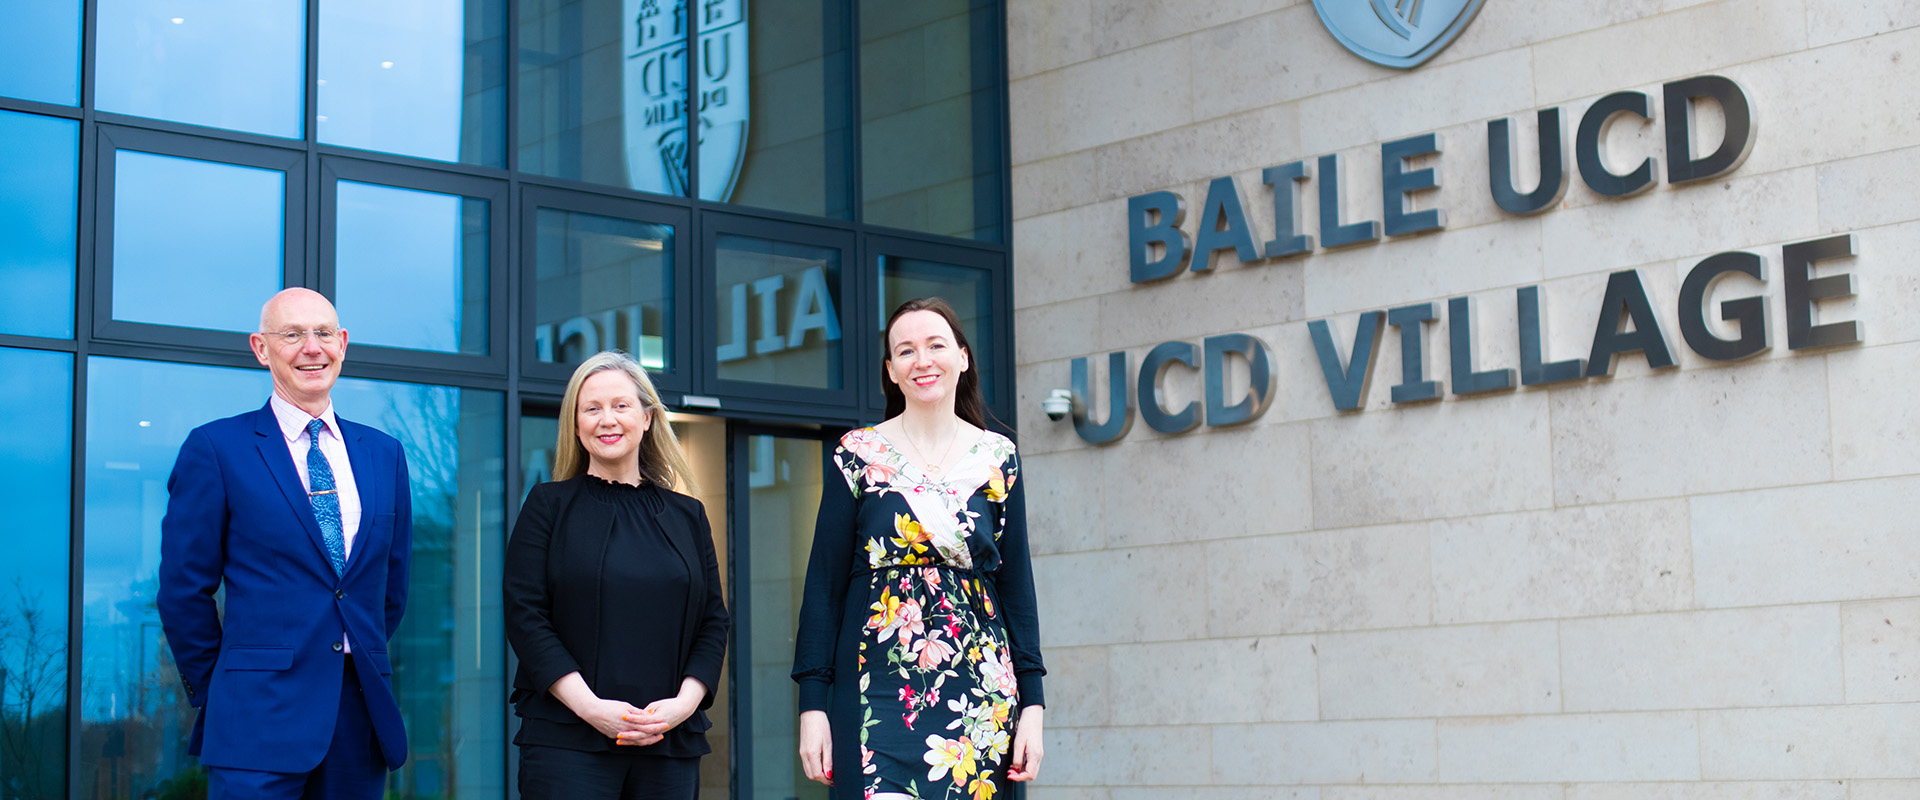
(613, 603)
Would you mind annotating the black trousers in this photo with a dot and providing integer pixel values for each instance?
(553, 773)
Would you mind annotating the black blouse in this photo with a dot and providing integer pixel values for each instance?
(599, 576)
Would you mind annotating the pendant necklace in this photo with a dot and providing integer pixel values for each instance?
(936, 467)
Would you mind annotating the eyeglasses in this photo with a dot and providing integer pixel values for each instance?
(293, 338)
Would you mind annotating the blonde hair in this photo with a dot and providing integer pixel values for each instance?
(661, 461)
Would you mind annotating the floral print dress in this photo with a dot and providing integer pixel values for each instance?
(918, 632)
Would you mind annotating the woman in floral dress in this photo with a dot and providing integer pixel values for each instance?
(918, 652)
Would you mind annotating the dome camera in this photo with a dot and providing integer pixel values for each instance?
(1058, 404)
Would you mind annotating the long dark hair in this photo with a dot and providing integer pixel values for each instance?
(968, 403)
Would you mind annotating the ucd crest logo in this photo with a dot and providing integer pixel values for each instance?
(1396, 33)
(655, 91)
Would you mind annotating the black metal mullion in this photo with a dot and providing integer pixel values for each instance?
(855, 123)
(692, 99)
(88, 196)
(739, 528)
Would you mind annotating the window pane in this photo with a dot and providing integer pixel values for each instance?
(537, 436)
(790, 150)
(783, 482)
(776, 316)
(221, 64)
(967, 289)
(197, 244)
(423, 78)
(449, 655)
(603, 91)
(36, 434)
(602, 283)
(40, 52)
(39, 201)
(411, 268)
(930, 117)
(134, 717)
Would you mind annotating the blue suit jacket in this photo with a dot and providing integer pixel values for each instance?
(267, 679)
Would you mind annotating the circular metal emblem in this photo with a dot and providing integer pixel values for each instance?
(1396, 33)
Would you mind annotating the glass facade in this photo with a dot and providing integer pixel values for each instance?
(36, 410)
(489, 190)
(194, 241)
(39, 203)
(240, 67)
(424, 78)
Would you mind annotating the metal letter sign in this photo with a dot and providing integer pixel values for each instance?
(655, 44)
(1396, 33)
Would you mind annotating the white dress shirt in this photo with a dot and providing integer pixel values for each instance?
(293, 426)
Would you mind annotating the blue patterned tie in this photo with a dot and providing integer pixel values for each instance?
(326, 501)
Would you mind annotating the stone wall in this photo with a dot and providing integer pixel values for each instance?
(1682, 584)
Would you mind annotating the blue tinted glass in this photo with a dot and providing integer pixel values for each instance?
(602, 283)
(39, 197)
(967, 289)
(36, 434)
(195, 243)
(776, 312)
(411, 268)
(40, 51)
(449, 655)
(134, 714)
(422, 78)
(603, 92)
(776, 119)
(217, 63)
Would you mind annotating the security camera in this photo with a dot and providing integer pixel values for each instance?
(1058, 404)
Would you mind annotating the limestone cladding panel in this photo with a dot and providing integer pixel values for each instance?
(1149, 594)
(1712, 430)
(1471, 670)
(1745, 657)
(1708, 790)
(1347, 282)
(1883, 790)
(1424, 100)
(1121, 96)
(1876, 421)
(1568, 562)
(1375, 467)
(1054, 184)
(1066, 501)
(1806, 544)
(1882, 641)
(1688, 42)
(1671, 222)
(1044, 36)
(1395, 751)
(1226, 299)
(1077, 687)
(1248, 141)
(1885, 303)
(1574, 747)
(1263, 679)
(1830, 103)
(1810, 743)
(1352, 579)
(1072, 254)
(1865, 192)
(1834, 22)
(1547, 792)
(1209, 485)
(1060, 330)
(1161, 754)
(1271, 59)
(1508, 26)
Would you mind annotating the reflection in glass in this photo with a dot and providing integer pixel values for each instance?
(410, 268)
(238, 66)
(783, 498)
(776, 314)
(968, 290)
(930, 117)
(36, 424)
(795, 70)
(423, 78)
(40, 52)
(134, 717)
(724, 90)
(449, 655)
(196, 244)
(602, 283)
(39, 203)
(603, 91)
(537, 435)
(704, 439)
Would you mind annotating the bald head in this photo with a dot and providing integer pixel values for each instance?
(294, 301)
(305, 366)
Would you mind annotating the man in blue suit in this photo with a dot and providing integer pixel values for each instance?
(305, 518)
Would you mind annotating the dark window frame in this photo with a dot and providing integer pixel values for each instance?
(714, 225)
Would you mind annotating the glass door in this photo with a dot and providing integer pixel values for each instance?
(777, 473)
